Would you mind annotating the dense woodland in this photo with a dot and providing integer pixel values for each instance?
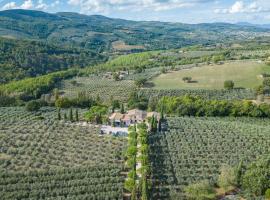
(20, 59)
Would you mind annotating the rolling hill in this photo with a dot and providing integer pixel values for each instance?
(99, 33)
(24, 58)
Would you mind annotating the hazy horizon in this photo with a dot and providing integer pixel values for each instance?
(183, 11)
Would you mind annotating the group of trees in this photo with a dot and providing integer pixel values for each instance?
(22, 58)
(253, 179)
(131, 153)
(32, 88)
(138, 143)
(137, 101)
(196, 106)
(70, 117)
(144, 184)
(97, 114)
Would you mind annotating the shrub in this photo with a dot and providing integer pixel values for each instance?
(187, 79)
(200, 191)
(97, 114)
(228, 84)
(32, 106)
(267, 194)
(63, 102)
(140, 82)
(256, 177)
(227, 178)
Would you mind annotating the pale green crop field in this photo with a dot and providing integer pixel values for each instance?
(245, 74)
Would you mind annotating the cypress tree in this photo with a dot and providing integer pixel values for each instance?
(153, 124)
(159, 125)
(59, 114)
(70, 115)
(122, 109)
(77, 115)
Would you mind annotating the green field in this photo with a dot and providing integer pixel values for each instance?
(245, 74)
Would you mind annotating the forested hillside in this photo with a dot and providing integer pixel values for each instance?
(21, 58)
(99, 33)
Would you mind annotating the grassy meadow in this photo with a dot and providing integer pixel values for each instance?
(245, 74)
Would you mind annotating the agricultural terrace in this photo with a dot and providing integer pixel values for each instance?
(245, 74)
(95, 86)
(194, 149)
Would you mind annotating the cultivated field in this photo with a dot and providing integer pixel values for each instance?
(245, 74)
(43, 158)
(194, 149)
(236, 94)
(97, 86)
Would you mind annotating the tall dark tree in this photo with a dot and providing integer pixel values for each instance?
(122, 109)
(71, 115)
(59, 114)
(77, 115)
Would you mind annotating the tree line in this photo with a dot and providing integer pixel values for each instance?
(197, 106)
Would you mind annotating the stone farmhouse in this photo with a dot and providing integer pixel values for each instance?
(131, 117)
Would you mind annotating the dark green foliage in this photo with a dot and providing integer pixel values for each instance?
(98, 32)
(130, 183)
(140, 82)
(6, 100)
(115, 104)
(256, 177)
(35, 87)
(153, 124)
(97, 114)
(77, 115)
(229, 85)
(33, 106)
(20, 59)
(70, 115)
(136, 101)
(116, 76)
(196, 106)
(59, 114)
(122, 109)
(80, 101)
(63, 102)
(187, 79)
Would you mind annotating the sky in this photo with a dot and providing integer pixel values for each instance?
(185, 11)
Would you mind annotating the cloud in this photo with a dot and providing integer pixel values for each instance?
(55, 3)
(97, 6)
(41, 5)
(28, 4)
(10, 5)
(241, 7)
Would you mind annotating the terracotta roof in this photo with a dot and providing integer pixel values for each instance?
(116, 116)
(137, 114)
